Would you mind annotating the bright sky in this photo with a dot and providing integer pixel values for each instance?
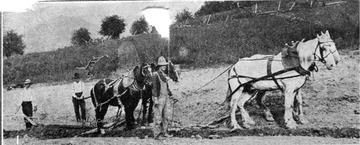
(160, 18)
(47, 26)
(16, 5)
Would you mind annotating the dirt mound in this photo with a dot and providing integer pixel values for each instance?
(57, 131)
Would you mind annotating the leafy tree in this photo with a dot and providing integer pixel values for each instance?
(139, 26)
(80, 36)
(13, 44)
(112, 26)
(153, 30)
(211, 7)
(182, 16)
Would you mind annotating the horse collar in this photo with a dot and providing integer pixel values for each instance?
(302, 71)
(137, 86)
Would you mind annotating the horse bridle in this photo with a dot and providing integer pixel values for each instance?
(147, 76)
(321, 50)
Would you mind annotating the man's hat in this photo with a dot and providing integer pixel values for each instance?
(27, 81)
(76, 76)
(162, 61)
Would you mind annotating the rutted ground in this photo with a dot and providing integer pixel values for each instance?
(331, 104)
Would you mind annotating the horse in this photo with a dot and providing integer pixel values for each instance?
(251, 78)
(124, 93)
(147, 94)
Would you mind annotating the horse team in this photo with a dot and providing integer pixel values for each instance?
(248, 79)
(126, 92)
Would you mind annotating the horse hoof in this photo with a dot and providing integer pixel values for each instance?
(102, 131)
(250, 122)
(269, 118)
(236, 127)
(291, 124)
(302, 120)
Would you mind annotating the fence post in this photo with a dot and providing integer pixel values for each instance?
(279, 6)
(255, 11)
(208, 20)
(292, 6)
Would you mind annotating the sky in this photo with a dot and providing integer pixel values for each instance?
(47, 26)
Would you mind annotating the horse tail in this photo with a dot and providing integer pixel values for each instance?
(93, 96)
(228, 92)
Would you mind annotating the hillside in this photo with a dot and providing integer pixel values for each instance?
(225, 42)
(201, 45)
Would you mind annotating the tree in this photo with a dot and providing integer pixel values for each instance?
(80, 36)
(211, 7)
(139, 26)
(183, 16)
(112, 26)
(153, 30)
(13, 44)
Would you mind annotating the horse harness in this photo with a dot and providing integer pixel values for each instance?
(270, 75)
(134, 87)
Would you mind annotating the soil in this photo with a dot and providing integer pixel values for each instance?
(331, 105)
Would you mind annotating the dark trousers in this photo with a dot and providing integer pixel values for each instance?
(79, 103)
(27, 109)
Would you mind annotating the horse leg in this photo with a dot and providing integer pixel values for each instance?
(299, 108)
(150, 116)
(260, 99)
(144, 106)
(289, 102)
(101, 117)
(233, 107)
(129, 115)
(118, 113)
(247, 120)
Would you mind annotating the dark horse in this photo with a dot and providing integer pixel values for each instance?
(124, 92)
(147, 94)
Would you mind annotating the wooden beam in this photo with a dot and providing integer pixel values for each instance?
(110, 126)
(255, 10)
(292, 6)
(279, 6)
(30, 120)
(332, 3)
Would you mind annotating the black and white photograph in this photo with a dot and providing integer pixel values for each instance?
(180, 72)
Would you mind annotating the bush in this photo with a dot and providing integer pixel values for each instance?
(81, 36)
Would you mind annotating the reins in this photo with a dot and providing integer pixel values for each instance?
(228, 69)
(266, 77)
(215, 78)
(134, 85)
(107, 101)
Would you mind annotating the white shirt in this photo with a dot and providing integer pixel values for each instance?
(78, 87)
(27, 94)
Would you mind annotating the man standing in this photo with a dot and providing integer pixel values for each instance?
(78, 98)
(161, 94)
(27, 106)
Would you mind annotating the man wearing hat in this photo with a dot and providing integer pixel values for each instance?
(27, 106)
(161, 94)
(78, 98)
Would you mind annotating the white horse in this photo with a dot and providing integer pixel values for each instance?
(243, 88)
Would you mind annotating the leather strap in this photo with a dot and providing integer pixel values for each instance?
(269, 73)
